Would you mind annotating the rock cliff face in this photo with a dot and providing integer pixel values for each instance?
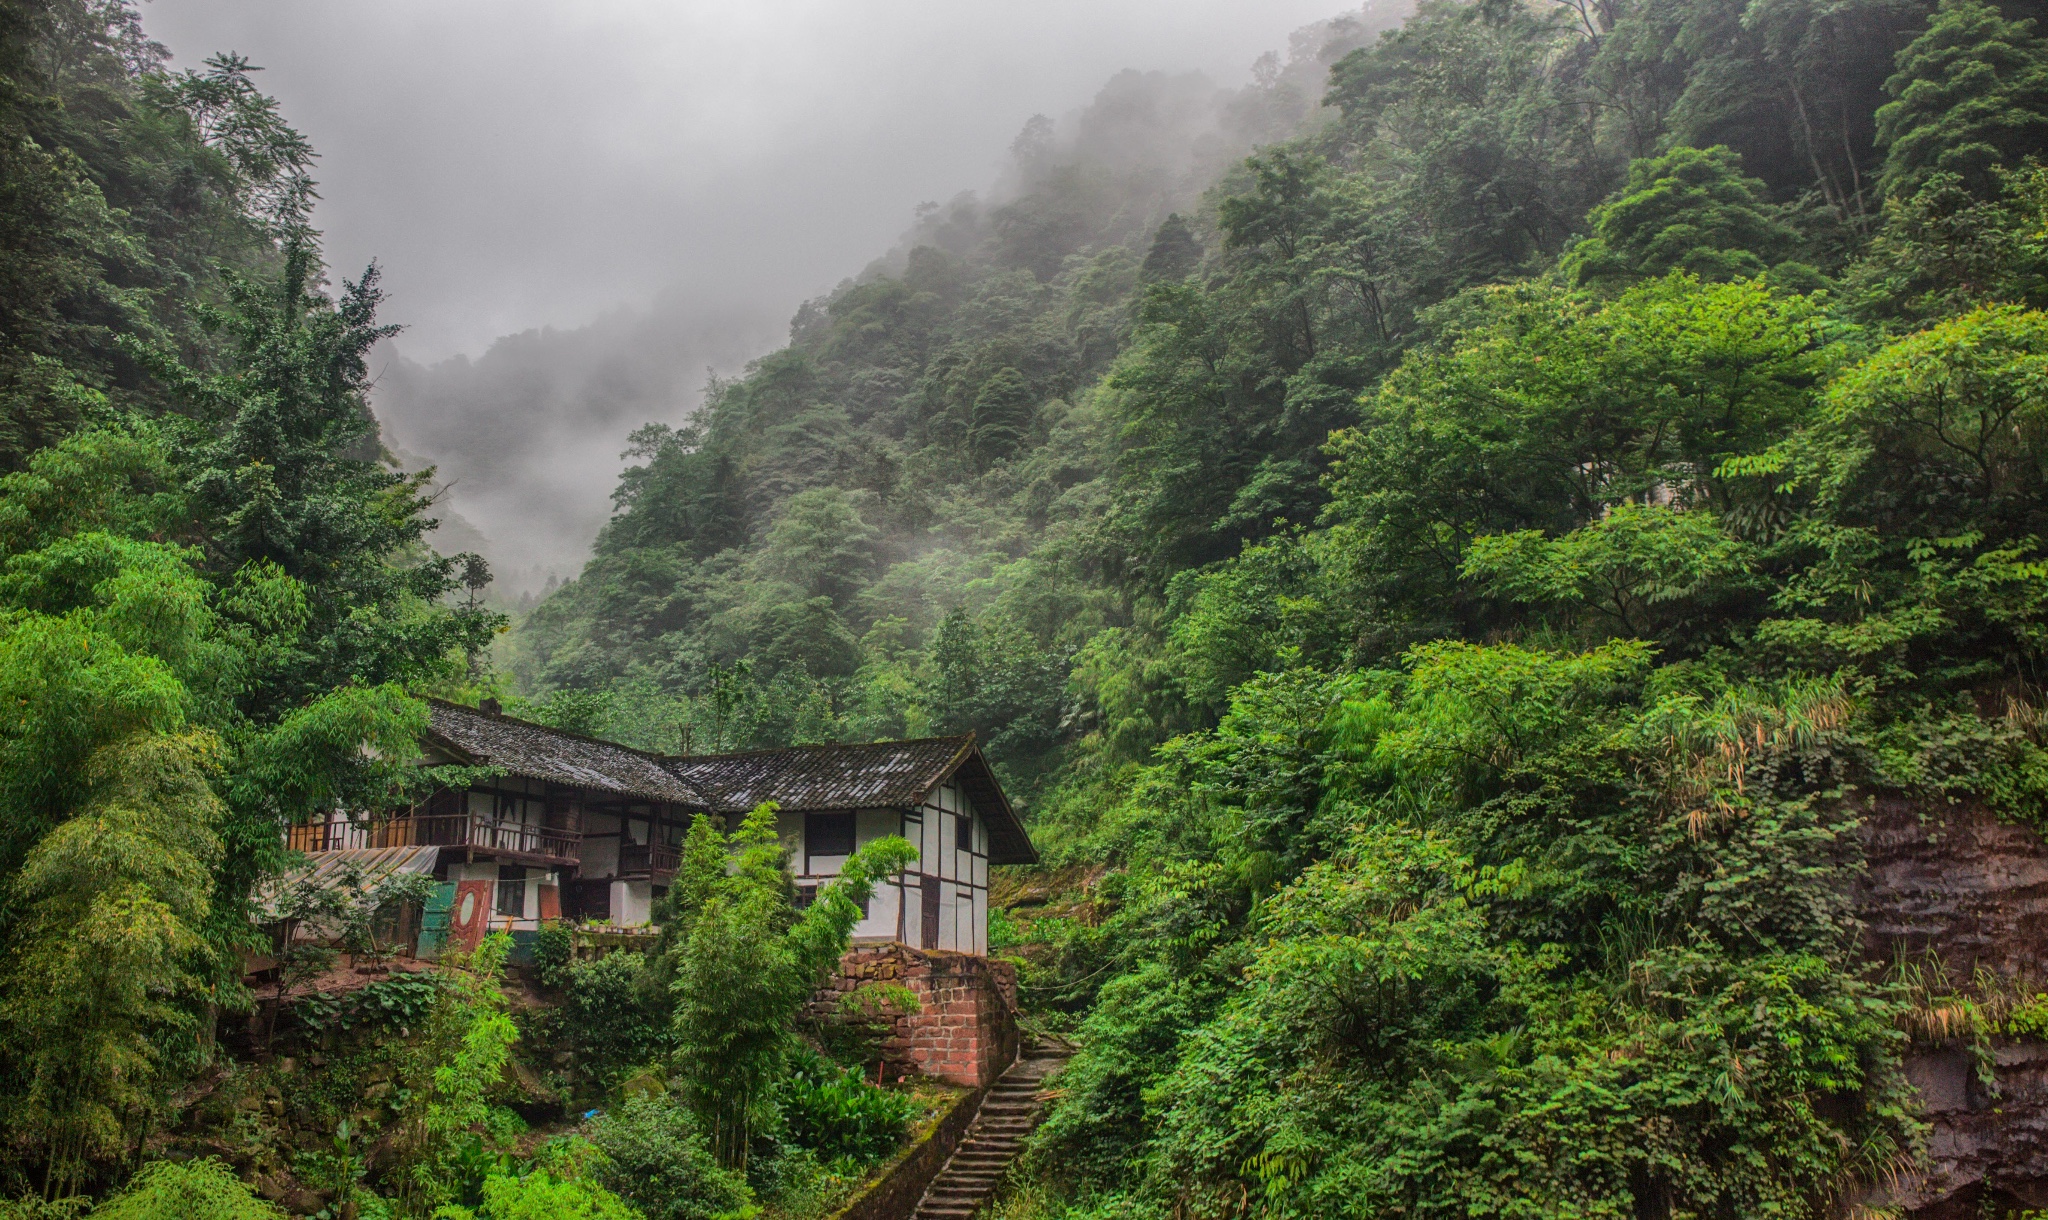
(1958, 882)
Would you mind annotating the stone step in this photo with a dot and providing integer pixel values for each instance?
(1009, 1112)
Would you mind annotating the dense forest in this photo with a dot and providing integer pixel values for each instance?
(219, 607)
(1446, 591)
(1445, 546)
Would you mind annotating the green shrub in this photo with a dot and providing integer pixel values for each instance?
(553, 947)
(28, 1207)
(2029, 1019)
(402, 999)
(616, 1012)
(836, 1113)
(186, 1190)
(796, 1186)
(656, 1158)
(541, 1195)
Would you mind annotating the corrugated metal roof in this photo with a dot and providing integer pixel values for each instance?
(871, 775)
(373, 864)
(539, 752)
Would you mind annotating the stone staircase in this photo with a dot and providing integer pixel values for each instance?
(1007, 1115)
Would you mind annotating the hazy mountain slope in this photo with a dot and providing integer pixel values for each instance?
(927, 425)
(526, 438)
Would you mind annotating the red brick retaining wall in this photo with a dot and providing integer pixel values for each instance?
(966, 1028)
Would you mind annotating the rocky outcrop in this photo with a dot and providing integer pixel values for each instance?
(1957, 881)
(1958, 885)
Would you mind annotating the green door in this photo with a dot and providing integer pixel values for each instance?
(434, 920)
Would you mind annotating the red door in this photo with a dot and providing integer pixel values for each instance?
(471, 917)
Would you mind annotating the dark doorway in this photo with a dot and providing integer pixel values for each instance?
(931, 913)
(589, 900)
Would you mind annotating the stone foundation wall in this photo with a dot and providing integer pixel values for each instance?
(1959, 883)
(965, 1029)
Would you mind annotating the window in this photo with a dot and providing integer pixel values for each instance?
(963, 831)
(512, 891)
(828, 834)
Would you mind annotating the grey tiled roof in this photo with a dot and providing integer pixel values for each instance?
(877, 775)
(871, 776)
(539, 752)
(874, 775)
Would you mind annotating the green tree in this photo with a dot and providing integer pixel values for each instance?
(1970, 94)
(1545, 414)
(820, 544)
(748, 964)
(1688, 210)
(453, 1075)
(1175, 252)
(1000, 420)
(1944, 250)
(107, 960)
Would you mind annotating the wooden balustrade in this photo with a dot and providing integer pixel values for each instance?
(655, 859)
(441, 830)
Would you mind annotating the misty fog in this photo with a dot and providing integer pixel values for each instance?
(582, 211)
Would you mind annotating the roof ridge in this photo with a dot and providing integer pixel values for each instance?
(966, 738)
(652, 755)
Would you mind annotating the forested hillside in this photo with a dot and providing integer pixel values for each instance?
(1446, 544)
(213, 597)
(1447, 589)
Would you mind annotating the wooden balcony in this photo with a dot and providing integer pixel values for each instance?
(512, 840)
(652, 860)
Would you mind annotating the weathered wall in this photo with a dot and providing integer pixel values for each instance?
(1973, 890)
(900, 1184)
(966, 1028)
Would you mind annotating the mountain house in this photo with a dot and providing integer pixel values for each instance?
(584, 829)
(577, 828)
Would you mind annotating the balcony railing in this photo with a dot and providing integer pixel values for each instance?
(441, 830)
(654, 859)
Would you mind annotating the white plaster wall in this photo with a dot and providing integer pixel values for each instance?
(632, 902)
(600, 856)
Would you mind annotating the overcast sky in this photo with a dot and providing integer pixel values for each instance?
(520, 163)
